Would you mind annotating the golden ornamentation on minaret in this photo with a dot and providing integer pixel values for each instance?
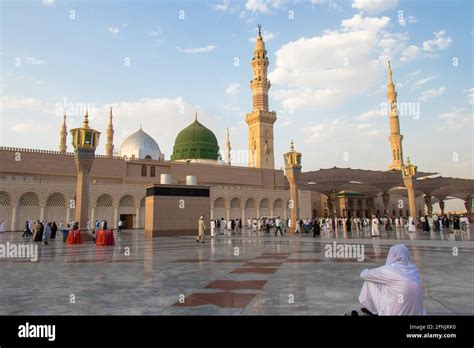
(227, 148)
(109, 146)
(395, 136)
(260, 120)
(63, 136)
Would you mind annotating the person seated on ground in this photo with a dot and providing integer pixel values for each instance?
(393, 289)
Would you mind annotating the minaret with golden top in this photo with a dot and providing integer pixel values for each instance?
(109, 146)
(260, 120)
(395, 136)
(63, 136)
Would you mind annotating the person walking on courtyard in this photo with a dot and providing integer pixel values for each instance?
(2, 226)
(384, 286)
(411, 225)
(213, 228)
(375, 227)
(46, 232)
(349, 224)
(426, 226)
(202, 230)
(28, 229)
(316, 228)
(54, 229)
(278, 226)
(120, 225)
(456, 224)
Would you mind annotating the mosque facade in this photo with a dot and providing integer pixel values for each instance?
(41, 184)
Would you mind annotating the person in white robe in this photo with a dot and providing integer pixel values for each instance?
(375, 227)
(411, 225)
(2, 226)
(395, 288)
(213, 228)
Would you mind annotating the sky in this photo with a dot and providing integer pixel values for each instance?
(159, 62)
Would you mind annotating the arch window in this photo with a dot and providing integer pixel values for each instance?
(29, 199)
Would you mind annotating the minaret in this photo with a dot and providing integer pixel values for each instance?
(63, 136)
(109, 146)
(227, 148)
(395, 136)
(260, 120)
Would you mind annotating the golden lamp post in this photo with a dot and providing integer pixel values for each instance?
(85, 141)
(292, 173)
(408, 173)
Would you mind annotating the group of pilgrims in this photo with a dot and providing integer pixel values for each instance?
(326, 225)
(44, 231)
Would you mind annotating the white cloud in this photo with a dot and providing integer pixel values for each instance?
(48, 2)
(267, 36)
(374, 6)
(470, 95)
(205, 49)
(432, 93)
(411, 19)
(161, 118)
(429, 47)
(370, 115)
(322, 71)
(340, 130)
(34, 61)
(256, 6)
(439, 42)
(233, 88)
(370, 24)
(425, 80)
(409, 53)
(332, 4)
(113, 31)
(17, 102)
(457, 118)
(158, 31)
(29, 128)
(224, 6)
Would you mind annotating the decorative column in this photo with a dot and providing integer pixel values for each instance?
(85, 141)
(41, 213)
(468, 206)
(92, 220)
(116, 217)
(68, 214)
(292, 173)
(441, 206)
(13, 225)
(386, 208)
(370, 206)
(408, 172)
(429, 206)
(137, 217)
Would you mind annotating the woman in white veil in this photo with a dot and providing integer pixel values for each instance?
(395, 288)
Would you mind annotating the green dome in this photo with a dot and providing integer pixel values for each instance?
(195, 142)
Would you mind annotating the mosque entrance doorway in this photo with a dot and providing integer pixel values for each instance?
(127, 221)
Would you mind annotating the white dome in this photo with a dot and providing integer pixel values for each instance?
(141, 145)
